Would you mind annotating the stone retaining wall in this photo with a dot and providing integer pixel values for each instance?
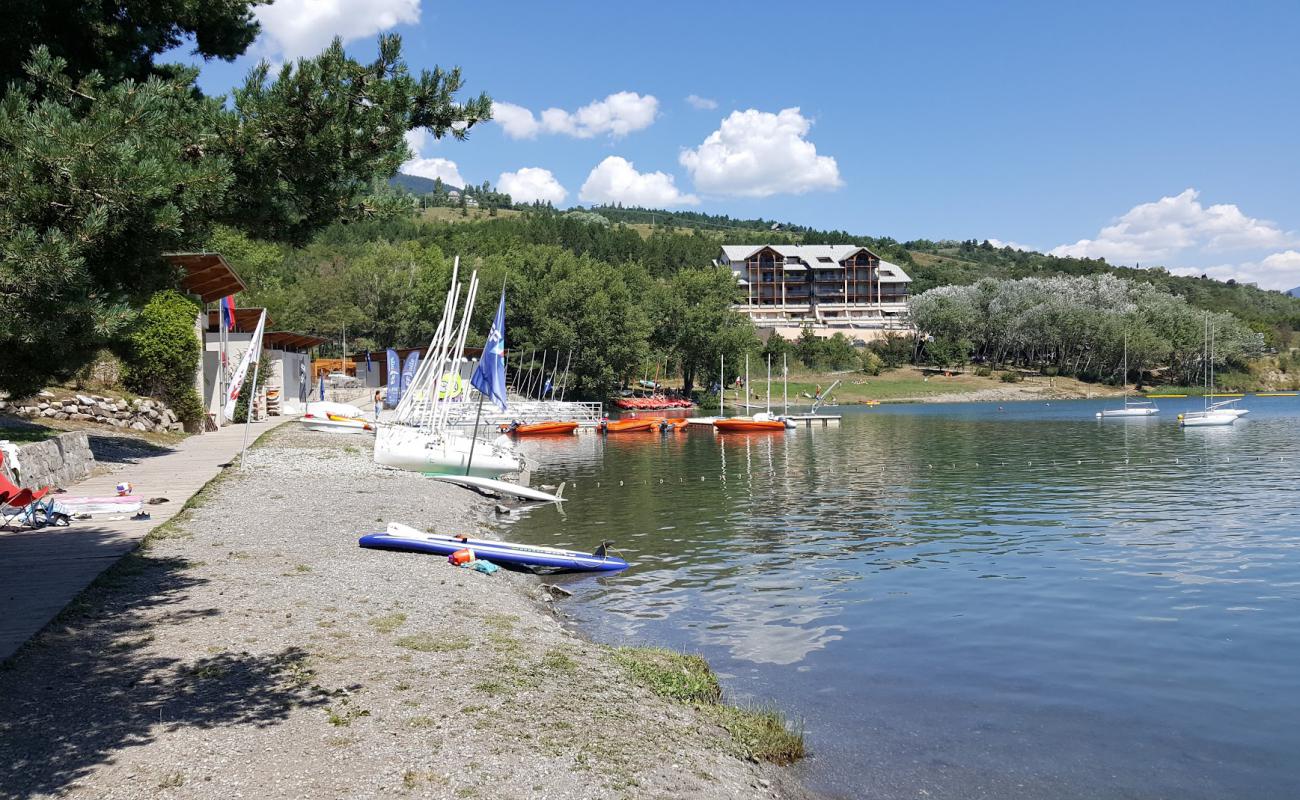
(61, 461)
(140, 414)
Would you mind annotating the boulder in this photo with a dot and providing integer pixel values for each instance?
(84, 400)
(138, 426)
(48, 412)
(80, 417)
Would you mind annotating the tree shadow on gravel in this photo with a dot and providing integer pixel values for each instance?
(92, 684)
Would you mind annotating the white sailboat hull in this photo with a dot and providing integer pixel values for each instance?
(336, 425)
(443, 452)
(1128, 412)
(1203, 419)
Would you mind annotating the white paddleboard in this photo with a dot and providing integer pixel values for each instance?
(501, 487)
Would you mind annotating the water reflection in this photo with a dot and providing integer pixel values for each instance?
(1055, 606)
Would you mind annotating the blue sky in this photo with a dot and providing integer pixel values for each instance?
(1144, 132)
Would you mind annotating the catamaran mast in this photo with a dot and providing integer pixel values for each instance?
(769, 384)
(722, 385)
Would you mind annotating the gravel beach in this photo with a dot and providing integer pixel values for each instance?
(251, 649)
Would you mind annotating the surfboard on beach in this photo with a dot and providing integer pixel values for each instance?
(408, 539)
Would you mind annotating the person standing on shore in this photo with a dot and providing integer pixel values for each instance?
(379, 404)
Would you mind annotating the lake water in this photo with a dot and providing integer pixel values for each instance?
(968, 601)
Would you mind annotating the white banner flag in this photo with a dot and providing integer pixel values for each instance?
(237, 378)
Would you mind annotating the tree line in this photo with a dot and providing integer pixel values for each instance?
(108, 160)
(1078, 325)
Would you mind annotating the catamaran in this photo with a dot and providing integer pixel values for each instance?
(1224, 412)
(421, 438)
(763, 420)
(1135, 408)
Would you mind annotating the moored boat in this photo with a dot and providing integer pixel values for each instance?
(758, 422)
(549, 428)
(628, 425)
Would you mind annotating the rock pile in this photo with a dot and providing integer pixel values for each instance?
(140, 414)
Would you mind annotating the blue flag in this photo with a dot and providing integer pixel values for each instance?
(547, 388)
(408, 370)
(490, 375)
(367, 362)
(322, 386)
(394, 392)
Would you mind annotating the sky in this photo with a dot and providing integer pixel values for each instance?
(1147, 133)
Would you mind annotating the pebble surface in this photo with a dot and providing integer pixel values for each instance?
(255, 651)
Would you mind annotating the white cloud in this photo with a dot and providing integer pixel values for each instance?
(701, 103)
(432, 168)
(757, 154)
(416, 140)
(1275, 271)
(295, 28)
(517, 121)
(998, 243)
(530, 184)
(615, 180)
(618, 115)
(1172, 225)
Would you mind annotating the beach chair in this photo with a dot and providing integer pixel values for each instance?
(22, 505)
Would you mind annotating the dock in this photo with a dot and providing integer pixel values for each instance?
(814, 420)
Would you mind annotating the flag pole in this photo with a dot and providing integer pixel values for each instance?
(478, 413)
(252, 394)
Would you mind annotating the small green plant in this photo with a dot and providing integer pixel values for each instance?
(345, 713)
(172, 780)
(984, 372)
(1010, 377)
(556, 660)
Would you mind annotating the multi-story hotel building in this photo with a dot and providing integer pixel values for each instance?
(822, 285)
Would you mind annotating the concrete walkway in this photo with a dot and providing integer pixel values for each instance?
(42, 570)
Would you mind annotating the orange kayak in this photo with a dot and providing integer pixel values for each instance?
(630, 425)
(673, 423)
(742, 425)
(541, 428)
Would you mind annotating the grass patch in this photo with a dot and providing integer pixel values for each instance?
(493, 688)
(761, 734)
(556, 660)
(667, 673)
(427, 643)
(172, 780)
(345, 713)
(422, 722)
(388, 622)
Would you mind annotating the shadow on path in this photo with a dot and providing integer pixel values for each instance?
(91, 684)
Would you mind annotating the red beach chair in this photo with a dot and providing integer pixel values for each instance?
(16, 502)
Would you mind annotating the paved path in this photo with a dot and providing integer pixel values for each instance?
(41, 571)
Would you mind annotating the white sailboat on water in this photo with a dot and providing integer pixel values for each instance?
(422, 440)
(1135, 408)
(1224, 412)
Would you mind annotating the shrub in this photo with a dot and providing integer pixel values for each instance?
(984, 372)
(871, 363)
(1051, 371)
(162, 353)
(1010, 377)
(893, 350)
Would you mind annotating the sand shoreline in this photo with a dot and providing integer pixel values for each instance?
(253, 649)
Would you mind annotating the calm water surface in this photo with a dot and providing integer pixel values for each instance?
(971, 601)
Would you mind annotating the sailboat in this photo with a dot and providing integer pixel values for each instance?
(1224, 412)
(1135, 408)
(762, 421)
(422, 440)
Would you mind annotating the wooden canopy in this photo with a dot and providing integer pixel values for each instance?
(245, 319)
(207, 275)
(285, 340)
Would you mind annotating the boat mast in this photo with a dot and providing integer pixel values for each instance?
(722, 385)
(769, 384)
(785, 383)
(1124, 380)
(746, 380)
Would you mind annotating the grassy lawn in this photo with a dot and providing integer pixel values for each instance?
(441, 214)
(22, 433)
(910, 383)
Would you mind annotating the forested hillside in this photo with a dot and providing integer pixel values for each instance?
(628, 289)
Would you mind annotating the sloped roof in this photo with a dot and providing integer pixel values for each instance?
(207, 275)
(810, 253)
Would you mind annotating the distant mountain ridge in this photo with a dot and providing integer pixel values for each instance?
(415, 184)
(1295, 292)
